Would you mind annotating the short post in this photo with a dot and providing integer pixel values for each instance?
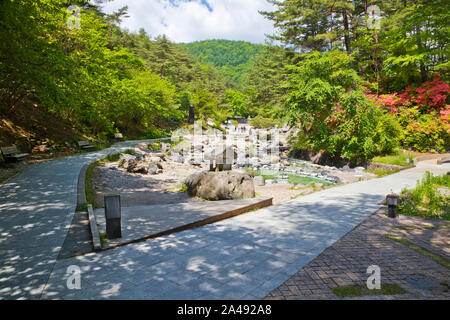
(392, 201)
(113, 216)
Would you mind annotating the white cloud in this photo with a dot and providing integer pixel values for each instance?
(186, 21)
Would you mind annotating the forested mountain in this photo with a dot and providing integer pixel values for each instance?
(362, 87)
(230, 57)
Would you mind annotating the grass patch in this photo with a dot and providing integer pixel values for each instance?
(180, 188)
(156, 145)
(399, 158)
(293, 178)
(380, 172)
(426, 200)
(361, 291)
(83, 207)
(103, 238)
(90, 193)
(115, 156)
(436, 258)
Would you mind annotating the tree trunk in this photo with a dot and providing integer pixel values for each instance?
(346, 32)
(191, 118)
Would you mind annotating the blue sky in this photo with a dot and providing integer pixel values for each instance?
(191, 20)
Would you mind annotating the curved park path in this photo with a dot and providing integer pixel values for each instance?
(243, 257)
(36, 210)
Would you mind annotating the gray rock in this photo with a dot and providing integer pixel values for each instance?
(138, 166)
(154, 159)
(142, 146)
(165, 146)
(223, 185)
(124, 159)
(275, 159)
(336, 179)
(153, 168)
(176, 157)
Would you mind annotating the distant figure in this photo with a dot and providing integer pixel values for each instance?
(191, 118)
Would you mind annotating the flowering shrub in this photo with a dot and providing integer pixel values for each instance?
(390, 102)
(433, 95)
(423, 113)
(426, 132)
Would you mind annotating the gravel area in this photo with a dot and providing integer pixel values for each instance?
(140, 190)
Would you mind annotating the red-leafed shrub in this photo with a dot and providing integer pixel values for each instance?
(433, 95)
(424, 114)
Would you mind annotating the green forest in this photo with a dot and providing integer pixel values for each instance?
(232, 58)
(356, 84)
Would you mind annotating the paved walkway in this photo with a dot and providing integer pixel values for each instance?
(36, 209)
(345, 263)
(244, 257)
(141, 222)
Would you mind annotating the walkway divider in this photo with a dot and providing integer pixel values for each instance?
(94, 230)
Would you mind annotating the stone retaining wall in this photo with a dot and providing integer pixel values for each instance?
(389, 167)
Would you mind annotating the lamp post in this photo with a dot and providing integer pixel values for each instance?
(392, 201)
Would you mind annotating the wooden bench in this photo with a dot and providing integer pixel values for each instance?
(12, 154)
(84, 145)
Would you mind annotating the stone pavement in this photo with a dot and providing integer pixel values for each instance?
(36, 210)
(245, 257)
(141, 222)
(345, 262)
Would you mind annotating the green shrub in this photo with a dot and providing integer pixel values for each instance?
(155, 146)
(154, 133)
(264, 123)
(327, 102)
(426, 200)
(427, 133)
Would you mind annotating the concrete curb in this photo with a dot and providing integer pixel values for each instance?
(431, 157)
(81, 187)
(94, 230)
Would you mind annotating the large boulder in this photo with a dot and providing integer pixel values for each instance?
(223, 185)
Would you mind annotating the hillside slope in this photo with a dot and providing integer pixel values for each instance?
(230, 57)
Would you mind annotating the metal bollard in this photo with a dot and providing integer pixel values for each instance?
(392, 201)
(113, 216)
